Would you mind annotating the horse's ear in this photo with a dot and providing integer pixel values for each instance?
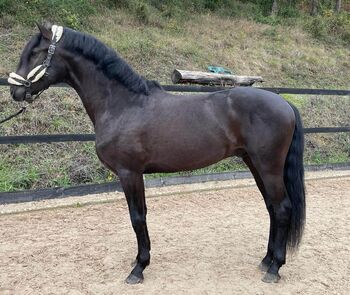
(45, 31)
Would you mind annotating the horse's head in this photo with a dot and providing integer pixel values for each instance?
(40, 64)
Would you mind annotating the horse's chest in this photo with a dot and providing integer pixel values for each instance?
(124, 148)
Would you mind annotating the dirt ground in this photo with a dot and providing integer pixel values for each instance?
(204, 241)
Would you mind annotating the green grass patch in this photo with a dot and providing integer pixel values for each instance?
(14, 178)
(298, 100)
(68, 12)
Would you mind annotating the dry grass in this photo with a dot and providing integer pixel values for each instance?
(244, 46)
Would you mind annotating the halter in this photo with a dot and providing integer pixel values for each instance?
(38, 72)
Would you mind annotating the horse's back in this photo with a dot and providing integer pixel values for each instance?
(259, 100)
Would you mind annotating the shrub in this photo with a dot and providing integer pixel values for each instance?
(330, 27)
(72, 13)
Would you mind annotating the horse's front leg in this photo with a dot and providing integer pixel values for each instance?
(134, 190)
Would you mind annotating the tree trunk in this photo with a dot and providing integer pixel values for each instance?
(274, 9)
(314, 7)
(338, 6)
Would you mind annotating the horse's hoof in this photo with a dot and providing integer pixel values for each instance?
(133, 264)
(271, 278)
(133, 280)
(263, 267)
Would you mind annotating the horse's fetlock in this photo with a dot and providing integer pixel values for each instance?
(144, 259)
(279, 258)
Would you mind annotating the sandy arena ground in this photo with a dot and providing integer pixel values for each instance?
(208, 240)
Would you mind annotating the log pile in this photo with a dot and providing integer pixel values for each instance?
(204, 78)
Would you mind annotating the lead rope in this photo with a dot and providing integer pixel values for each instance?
(21, 110)
(14, 115)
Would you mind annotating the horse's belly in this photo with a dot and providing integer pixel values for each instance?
(177, 159)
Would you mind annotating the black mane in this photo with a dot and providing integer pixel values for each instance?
(107, 60)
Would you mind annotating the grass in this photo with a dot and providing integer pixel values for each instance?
(299, 101)
(285, 56)
(71, 13)
(327, 111)
(251, 48)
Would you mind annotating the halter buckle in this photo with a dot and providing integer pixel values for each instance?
(51, 49)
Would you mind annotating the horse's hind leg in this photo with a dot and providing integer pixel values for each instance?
(271, 170)
(281, 206)
(133, 187)
(267, 260)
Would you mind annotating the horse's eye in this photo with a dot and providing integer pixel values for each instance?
(34, 54)
(35, 51)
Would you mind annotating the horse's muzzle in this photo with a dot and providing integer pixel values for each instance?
(20, 93)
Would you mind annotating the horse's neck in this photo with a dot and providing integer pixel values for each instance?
(93, 87)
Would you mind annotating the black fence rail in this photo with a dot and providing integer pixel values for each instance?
(279, 90)
(52, 138)
(115, 186)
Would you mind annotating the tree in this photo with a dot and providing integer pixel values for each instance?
(274, 9)
(314, 7)
(338, 6)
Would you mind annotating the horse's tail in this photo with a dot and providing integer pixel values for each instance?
(294, 182)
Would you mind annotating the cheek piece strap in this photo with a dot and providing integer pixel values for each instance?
(39, 71)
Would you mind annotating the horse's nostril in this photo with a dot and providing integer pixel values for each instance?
(17, 93)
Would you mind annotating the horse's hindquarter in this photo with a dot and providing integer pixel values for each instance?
(267, 121)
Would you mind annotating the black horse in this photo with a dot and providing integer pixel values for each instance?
(140, 128)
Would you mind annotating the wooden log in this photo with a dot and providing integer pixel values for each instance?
(196, 77)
